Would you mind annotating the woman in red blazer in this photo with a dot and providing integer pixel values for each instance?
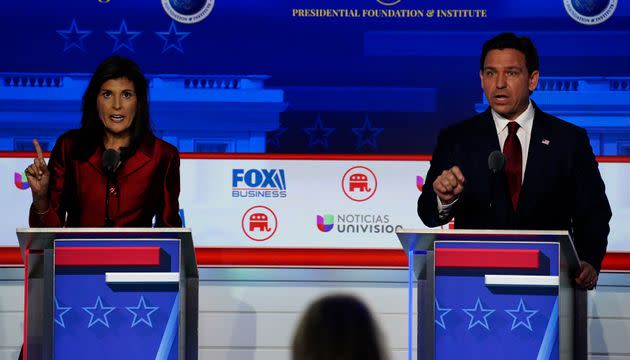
(74, 189)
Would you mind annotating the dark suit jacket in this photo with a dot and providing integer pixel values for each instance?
(562, 188)
(146, 185)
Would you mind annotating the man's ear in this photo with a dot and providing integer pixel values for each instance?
(533, 80)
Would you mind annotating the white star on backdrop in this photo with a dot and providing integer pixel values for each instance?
(123, 37)
(73, 37)
(172, 38)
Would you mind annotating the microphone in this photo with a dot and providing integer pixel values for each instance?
(110, 159)
(496, 160)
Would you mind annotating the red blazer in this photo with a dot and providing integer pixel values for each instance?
(146, 185)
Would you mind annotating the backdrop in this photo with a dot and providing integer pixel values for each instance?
(351, 76)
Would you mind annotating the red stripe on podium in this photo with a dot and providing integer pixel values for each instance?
(487, 258)
(107, 256)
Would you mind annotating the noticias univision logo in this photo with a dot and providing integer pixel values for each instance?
(325, 223)
(419, 182)
(259, 183)
(21, 182)
(357, 223)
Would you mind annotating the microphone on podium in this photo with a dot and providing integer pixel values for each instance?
(496, 161)
(111, 160)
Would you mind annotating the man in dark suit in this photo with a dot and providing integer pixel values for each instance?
(550, 180)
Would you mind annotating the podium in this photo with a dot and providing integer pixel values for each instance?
(495, 294)
(109, 293)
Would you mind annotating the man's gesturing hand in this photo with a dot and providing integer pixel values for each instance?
(449, 185)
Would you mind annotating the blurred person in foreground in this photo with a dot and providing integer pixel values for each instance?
(112, 171)
(338, 327)
(549, 180)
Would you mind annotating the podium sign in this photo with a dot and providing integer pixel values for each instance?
(110, 294)
(496, 300)
(123, 292)
(495, 294)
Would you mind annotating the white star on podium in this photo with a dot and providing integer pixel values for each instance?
(522, 315)
(99, 311)
(60, 311)
(144, 311)
(478, 315)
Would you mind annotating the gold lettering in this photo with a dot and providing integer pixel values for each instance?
(391, 13)
(386, 13)
(461, 13)
(325, 13)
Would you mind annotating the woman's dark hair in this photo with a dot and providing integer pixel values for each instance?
(511, 41)
(92, 129)
(338, 327)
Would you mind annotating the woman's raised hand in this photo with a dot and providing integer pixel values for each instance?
(38, 177)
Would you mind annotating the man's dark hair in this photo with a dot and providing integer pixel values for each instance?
(92, 129)
(511, 41)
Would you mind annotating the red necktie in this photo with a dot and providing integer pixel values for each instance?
(514, 162)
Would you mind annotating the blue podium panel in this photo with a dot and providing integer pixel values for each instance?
(116, 299)
(496, 300)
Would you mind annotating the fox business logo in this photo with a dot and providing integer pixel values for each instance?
(259, 183)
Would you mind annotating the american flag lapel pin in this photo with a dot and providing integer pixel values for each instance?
(545, 142)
